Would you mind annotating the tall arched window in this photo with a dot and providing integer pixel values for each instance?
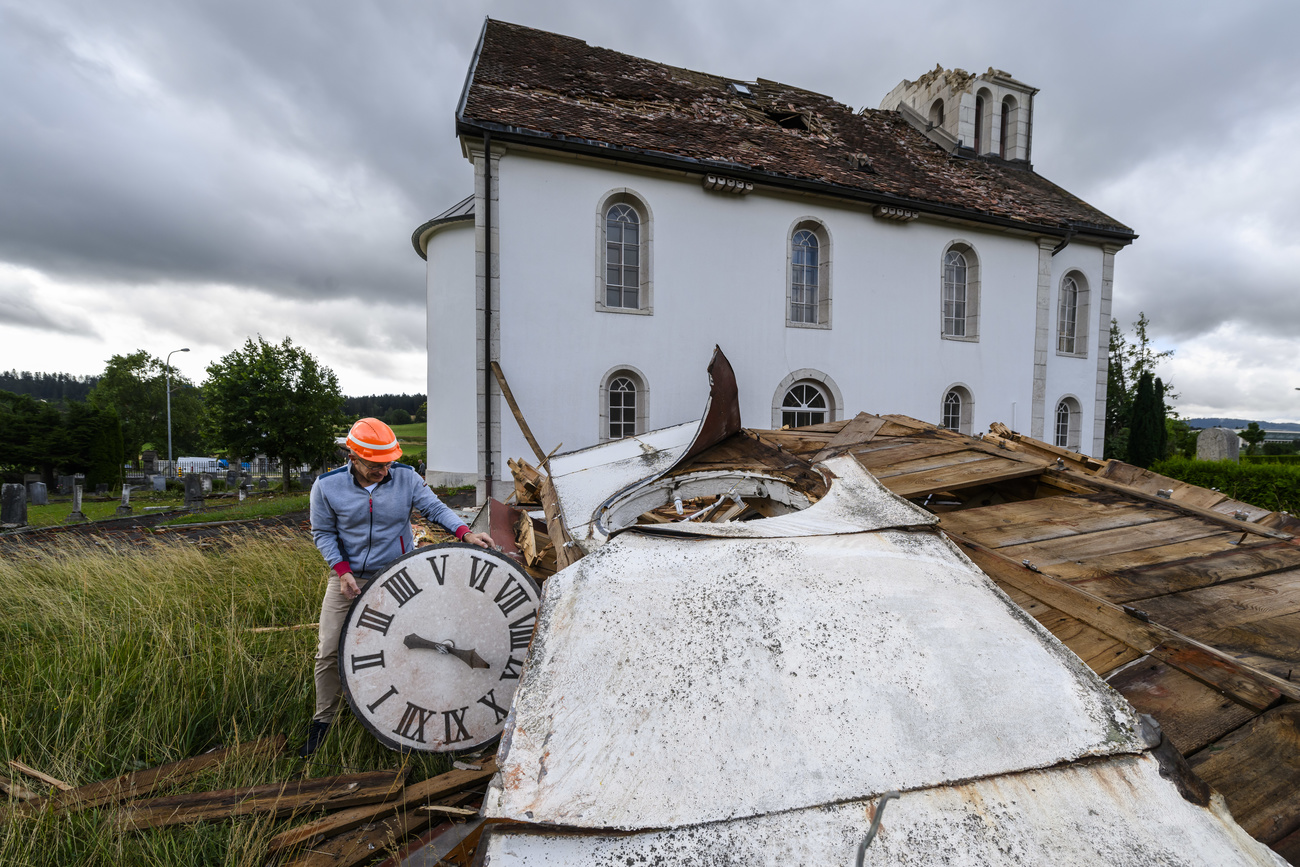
(936, 113)
(808, 275)
(1072, 315)
(804, 404)
(979, 124)
(1068, 424)
(623, 261)
(623, 403)
(960, 294)
(1007, 133)
(956, 410)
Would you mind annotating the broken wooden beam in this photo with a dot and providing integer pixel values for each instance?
(37, 775)
(567, 551)
(858, 432)
(514, 408)
(450, 783)
(363, 842)
(276, 800)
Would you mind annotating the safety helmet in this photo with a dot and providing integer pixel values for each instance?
(374, 441)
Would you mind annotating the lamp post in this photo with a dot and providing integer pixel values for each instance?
(167, 373)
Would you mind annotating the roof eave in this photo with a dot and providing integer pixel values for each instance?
(420, 237)
(522, 135)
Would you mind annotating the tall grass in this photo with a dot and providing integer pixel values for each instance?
(116, 661)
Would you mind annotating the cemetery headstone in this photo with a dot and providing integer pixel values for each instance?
(38, 494)
(28, 478)
(232, 478)
(125, 508)
(263, 484)
(158, 482)
(76, 517)
(13, 505)
(243, 493)
(307, 479)
(101, 489)
(150, 461)
(1218, 444)
(206, 480)
(193, 491)
(65, 485)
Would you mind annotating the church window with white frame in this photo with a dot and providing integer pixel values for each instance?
(808, 275)
(1072, 316)
(804, 404)
(623, 275)
(624, 400)
(1067, 424)
(956, 410)
(960, 293)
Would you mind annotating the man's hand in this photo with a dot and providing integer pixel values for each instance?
(348, 585)
(483, 540)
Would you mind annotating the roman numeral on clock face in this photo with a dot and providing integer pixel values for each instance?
(456, 717)
(392, 691)
(370, 660)
(372, 619)
(439, 573)
(411, 725)
(510, 671)
(402, 587)
(478, 578)
(490, 701)
(521, 630)
(510, 596)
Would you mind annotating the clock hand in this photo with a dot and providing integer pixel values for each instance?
(469, 657)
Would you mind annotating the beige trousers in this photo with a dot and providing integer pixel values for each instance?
(333, 611)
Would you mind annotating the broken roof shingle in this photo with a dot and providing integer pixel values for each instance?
(548, 87)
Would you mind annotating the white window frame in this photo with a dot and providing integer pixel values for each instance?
(1073, 423)
(645, 264)
(824, 256)
(965, 410)
(1072, 344)
(827, 385)
(971, 312)
(638, 379)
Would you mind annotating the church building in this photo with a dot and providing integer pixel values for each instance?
(627, 216)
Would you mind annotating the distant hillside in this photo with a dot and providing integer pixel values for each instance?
(52, 387)
(1241, 423)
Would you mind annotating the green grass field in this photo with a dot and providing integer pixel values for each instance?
(257, 506)
(417, 432)
(116, 662)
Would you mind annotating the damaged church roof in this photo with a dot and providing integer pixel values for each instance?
(556, 91)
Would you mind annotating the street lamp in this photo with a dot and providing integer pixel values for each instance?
(167, 372)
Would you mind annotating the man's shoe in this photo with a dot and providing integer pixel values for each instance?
(316, 733)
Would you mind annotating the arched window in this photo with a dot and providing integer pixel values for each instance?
(808, 275)
(960, 293)
(1007, 133)
(1072, 316)
(804, 404)
(806, 396)
(936, 113)
(956, 410)
(623, 403)
(623, 283)
(1068, 424)
(979, 124)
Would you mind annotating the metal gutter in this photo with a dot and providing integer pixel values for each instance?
(420, 236)
(660, 159)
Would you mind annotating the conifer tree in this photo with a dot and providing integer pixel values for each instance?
(1148, 421)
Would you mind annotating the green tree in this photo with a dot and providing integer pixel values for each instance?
(33, 437)
(1148, 424)
(93, 444)
(1128, 360)
(1253, 436)
(396, 417)
(274, 398)
(135, 386)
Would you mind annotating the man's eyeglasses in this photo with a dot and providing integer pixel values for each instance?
(367, 465)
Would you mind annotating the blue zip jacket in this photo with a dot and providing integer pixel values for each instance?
(361, 531)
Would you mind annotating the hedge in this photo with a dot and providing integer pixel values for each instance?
(1271, 459)
(1272, 486)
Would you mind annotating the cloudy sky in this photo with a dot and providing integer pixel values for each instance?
(188, 173)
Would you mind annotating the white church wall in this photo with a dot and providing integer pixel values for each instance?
(450, 311)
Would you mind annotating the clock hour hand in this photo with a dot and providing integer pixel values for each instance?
(469, 657)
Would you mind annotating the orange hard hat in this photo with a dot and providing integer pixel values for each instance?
(373, 440)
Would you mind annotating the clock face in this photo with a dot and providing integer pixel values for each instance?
(432, 649)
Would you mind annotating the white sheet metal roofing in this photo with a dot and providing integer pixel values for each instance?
(678, 681)
(1116, 812)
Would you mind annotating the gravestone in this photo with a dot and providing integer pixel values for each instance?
(1218, 444)
(13, 505)
(76, 517)
(263, 484)
(193, 491)
(243, 493)
(232, 478)
(206, 480)
(158, 482)
(125, 508)
(38, 494)
(28, 478)
(101, 489)
(307, 479)
(150, 461)
(64, 485)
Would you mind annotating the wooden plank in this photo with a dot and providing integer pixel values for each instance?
(1190, 713)
(1084, 547)
(426, 791)
(1124, 581)
(362, 843)
(1257, 770)
(1288, 847)
(1150, 483)
(1053, 518)
(983, 472)
(519, 416)
(1230, 605)
(37, 775)
(15, 790)
(1098, 650)
(1245, 684)
(930, 463)
(860, 429)
(276, 800)
(1103, 569)
(882, 457)
(566, 551)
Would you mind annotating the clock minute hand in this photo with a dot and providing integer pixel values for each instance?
(469, 657)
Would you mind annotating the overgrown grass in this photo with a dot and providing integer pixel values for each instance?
(255, 507)
(119, 661)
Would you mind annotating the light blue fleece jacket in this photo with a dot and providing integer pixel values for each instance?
(362, 531)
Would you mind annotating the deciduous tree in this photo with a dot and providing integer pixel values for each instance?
(273, 398)
(135, 386)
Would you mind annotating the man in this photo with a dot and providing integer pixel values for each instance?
(361, 521)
